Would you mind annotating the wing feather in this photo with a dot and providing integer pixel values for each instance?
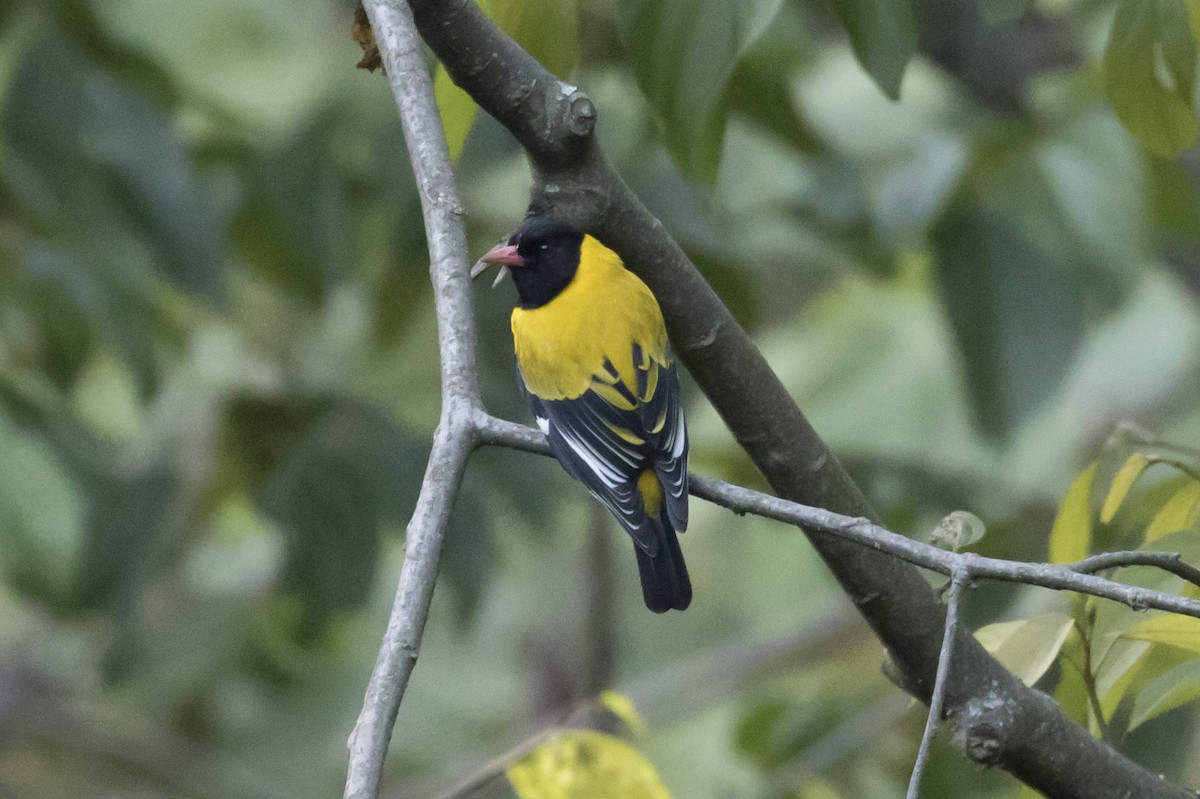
(607, 445)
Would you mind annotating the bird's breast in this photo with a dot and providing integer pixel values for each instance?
(566, 344)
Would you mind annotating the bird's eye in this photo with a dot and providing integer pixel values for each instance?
(544, 247)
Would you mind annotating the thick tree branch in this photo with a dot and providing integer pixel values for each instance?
(1000, 721)
(553, 121)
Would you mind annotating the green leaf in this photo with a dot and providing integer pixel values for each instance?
(585, 764)
(1179, 513)
(1193, 12)
(41, 517)
(1116, 670)
(1076, 190)
(547, 29)
(1071, 693)
(262, 66)
(1017, 314)
(117, 199)
(1129, 472)
(1170, 629)
(1002, 12)
(883, 34)
(683, 54)
(1071, 536)
(818, 789)
(776, 730)
(1027, 647)
(761, 87)
(1177, 687)
(337, 479)
(292, 223)
(1174, 204)
(1149, 69)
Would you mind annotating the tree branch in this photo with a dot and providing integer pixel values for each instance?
(957, 583)
(1167, 561)
(572, 179)
(1001, 722)
(455, 435)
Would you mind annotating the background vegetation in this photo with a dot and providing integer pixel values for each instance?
(218, 379)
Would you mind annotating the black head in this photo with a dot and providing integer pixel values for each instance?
(545, 259)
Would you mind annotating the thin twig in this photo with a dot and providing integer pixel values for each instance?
(930, 557)
(1074, 577)
(866, 533)
(1167, 561)
(1088, 673)
(958, 582)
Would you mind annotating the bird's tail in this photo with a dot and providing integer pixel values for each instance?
(665, 582)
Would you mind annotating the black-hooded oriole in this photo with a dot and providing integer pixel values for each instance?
(593, 361)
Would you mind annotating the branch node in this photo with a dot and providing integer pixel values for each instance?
(981, 724)
(1139, 602)
(983, 744)
(581, 120)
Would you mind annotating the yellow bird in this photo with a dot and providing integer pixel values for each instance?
(594, 363)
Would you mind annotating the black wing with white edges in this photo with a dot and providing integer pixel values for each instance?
(609, 435)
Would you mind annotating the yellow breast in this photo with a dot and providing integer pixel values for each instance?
(600, 315)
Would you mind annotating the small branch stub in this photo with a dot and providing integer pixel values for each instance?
(983, 744)
(581, 119)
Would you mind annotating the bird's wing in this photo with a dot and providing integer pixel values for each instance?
(671, 450)
(610, 434)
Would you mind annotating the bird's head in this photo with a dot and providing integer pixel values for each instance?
(542, 256)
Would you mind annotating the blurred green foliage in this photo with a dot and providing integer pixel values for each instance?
(218, 379)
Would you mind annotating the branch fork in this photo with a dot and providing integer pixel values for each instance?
(555, 123)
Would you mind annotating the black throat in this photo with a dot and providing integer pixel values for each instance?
(551, 262)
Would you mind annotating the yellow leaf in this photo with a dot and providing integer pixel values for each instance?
(584, 764)
(1027, 647)
(623, 708)
(457, 110)
(1178, 513)
(1133, 467)
(1071, 536)
(1170, 629)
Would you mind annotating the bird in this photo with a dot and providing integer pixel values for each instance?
(594, 363)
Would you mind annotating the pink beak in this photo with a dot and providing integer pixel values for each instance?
(503, 254)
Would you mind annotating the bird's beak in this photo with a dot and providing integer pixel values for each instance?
(505, 255)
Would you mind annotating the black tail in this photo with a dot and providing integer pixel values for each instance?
(665, 582)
